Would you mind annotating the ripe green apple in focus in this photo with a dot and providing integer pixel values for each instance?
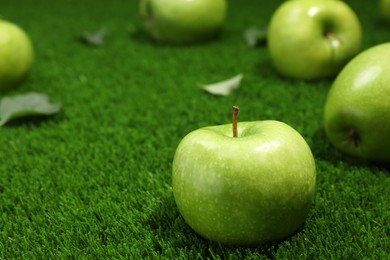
(385, 9)
(183, 21)
(357, 109)
(255, 188)
(313, 39)
(16, 55)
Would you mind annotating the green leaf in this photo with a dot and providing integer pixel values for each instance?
(94, 39)
(224, 88)
(255, 36)
(26, 105)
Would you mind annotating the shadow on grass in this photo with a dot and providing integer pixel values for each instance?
(267, 70)
(381, 23)
(138, 35)
(141, 37)
(323, 150)
(34, 120)
(172, 236)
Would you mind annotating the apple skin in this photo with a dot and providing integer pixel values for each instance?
(16, 55)
(357, 109)
(249, 190)
(313, 39)
(385, 9)
(183, 21)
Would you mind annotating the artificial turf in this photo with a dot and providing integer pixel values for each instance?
(94, 181)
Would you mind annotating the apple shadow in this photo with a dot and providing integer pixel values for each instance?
(323, 150)
(266, 69)
(139, 36)
(381, 23)
(170, 230)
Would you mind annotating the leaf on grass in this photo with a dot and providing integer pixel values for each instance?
(224, 88)
(26, 105)
(255, 36)
(94, 39)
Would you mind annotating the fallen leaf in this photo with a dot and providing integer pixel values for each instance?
(94, 39)
(224, 88)
(255, 36)
(28, 104)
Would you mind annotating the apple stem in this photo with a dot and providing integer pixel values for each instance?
(235, 121)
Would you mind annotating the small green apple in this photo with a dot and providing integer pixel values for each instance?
(357, 109)
(183, 21)
(16, 55)
(313, 39)
(385, 9)
(250, 187)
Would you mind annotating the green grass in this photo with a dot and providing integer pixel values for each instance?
(93, 182)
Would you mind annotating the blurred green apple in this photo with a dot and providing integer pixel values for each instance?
(16, 55)
(313, 39)
(357, 110)
(385, 9)
(248, 190)
(183, 21)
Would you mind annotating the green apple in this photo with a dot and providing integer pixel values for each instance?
(385, 9)
(313, 39)
(183, 21)
(357, 109)
(16, 55)
(255, 188)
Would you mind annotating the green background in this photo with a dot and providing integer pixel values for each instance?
(94, 181)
